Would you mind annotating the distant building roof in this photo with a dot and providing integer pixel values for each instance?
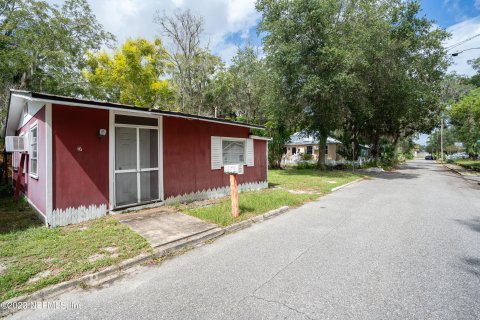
(302, 138)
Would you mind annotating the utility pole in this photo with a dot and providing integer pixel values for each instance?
(441, 136)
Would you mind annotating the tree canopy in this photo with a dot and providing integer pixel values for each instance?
(372, 68)
(134, 74)
(465, 116)
(44, 47)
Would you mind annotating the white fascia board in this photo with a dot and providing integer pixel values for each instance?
(260, 138)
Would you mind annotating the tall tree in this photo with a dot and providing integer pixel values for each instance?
(135, 74)
(465, 116)
(43, 47)
(193, 64)
(373, 67)
(475, 79)
(249, 76)
(408, 66)
(301, 43)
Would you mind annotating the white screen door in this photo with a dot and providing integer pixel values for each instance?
(136, 165)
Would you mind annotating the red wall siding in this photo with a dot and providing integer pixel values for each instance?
(186, 156)
(79, 177)
(35, 189)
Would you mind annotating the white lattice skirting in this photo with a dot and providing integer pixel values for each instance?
(62, 217)
(215, 192)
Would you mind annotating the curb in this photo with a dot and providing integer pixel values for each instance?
(473, 172)
(347, 184)
(467, 177)
(452, 169)
(248, 223)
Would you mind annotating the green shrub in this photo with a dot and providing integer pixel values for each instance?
(305, 165)
(307, 156)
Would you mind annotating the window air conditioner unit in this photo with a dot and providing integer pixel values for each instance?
(16, 144)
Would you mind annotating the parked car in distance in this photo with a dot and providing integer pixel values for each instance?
(458, 155)
(428, 157)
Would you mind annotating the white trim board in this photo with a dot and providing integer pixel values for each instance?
(260, 138)
(111, 159)
(161, 193)
(48, 160)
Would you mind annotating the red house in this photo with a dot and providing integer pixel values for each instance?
(85, 158)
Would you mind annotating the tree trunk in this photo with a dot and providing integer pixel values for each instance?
(322, 145)
(395, 151)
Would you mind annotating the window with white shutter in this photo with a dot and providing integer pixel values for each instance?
(250, 161)
(216, 153)
(225, 151)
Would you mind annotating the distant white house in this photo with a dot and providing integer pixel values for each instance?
(302, 143)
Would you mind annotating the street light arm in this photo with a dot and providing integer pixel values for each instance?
(457, 53)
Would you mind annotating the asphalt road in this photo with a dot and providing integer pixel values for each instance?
(403, 245)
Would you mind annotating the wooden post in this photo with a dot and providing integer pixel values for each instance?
(234, 194)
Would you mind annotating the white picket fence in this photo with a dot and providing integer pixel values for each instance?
(62, 217)
(215, 192)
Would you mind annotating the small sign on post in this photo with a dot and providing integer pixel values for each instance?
(233, 171)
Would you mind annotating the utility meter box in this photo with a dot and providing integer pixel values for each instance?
(233, 169)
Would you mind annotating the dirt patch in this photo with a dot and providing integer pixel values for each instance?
(3, 268)
(111, 250)
(96, 256)
(199, 204)
(41, 275)
(303, 191)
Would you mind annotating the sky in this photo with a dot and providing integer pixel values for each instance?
(232, 23)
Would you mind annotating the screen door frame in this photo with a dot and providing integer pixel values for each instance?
(112, 151)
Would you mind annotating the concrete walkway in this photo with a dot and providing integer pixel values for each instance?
(162, 226)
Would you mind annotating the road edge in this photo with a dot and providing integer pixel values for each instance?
(347, 184)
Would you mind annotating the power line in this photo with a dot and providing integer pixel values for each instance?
(462, 42)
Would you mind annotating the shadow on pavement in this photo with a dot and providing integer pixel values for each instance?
(392, 175)
(473, 224)
(472, 265)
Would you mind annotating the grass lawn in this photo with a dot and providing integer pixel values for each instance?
(250, 204)
(33, 256)
(310, 179)
(253, 203)
(469, 164)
